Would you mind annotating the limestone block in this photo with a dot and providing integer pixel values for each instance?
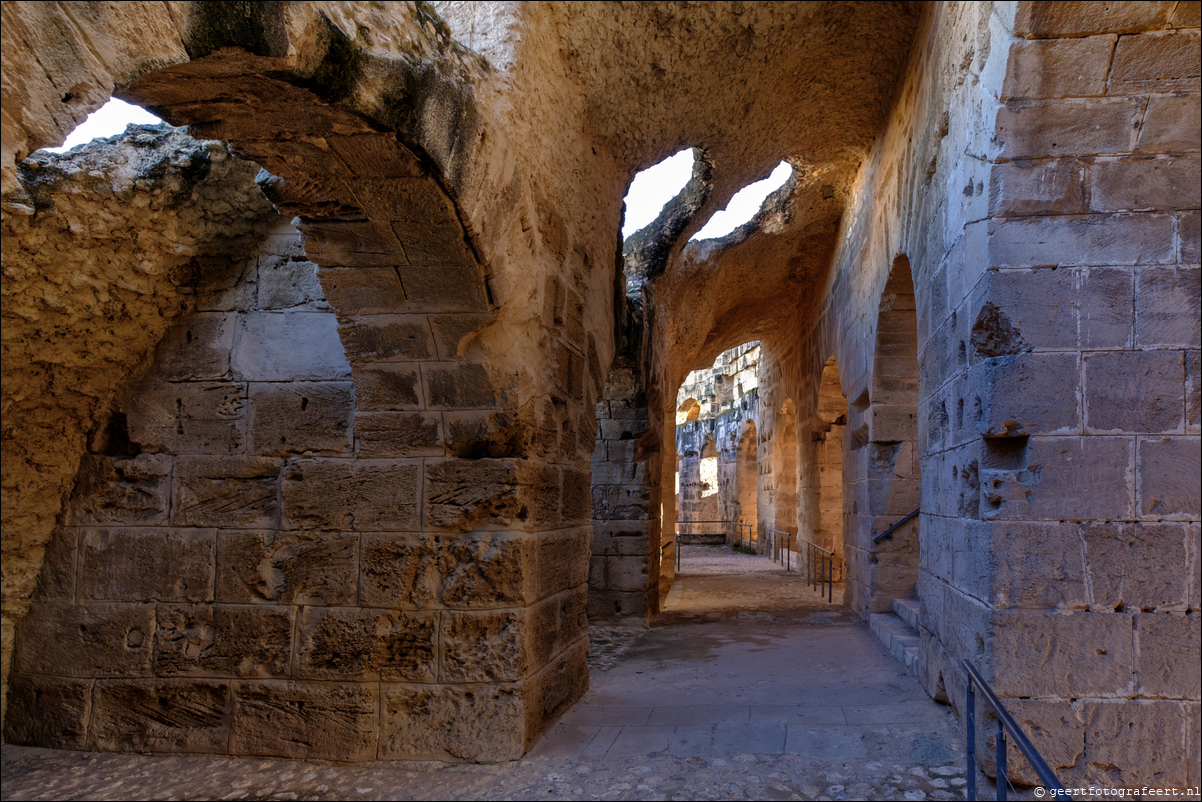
(555, 687)
(1058, 67)
(387, 338)
(463, 385)
(556, 623)
(289, 346)
(1195, 566)
(48, 712)
(196, 348)
(563, 560)
(399, 434)
(1145, 184)
(620, 537)
(626, 573)
(1135, 743)
(1161, 61)
(1140, 566)
(363, 290)
(1081, 240)
(295, 417)
(577, 498)
(1134, 391)
(1028, 565)
(1053, 186)
(1031, 129)
(1168, 665)
(86, 640)
(229, 492)
(367, 645)
(344, 494)
(225, 283)
(605, 605)
(1028, 394)
(351, 243)
(289, 281)
(306, 720)
(167, 716)
(1054, 727)
(1062, 655)
(376, 155)
(1105, 308)
(186, 417)
(147, 564)
(462, 493)
(1079, 18)
(416, 197)
(223, 640)
(438, 722)
(1062, 479)
(287, 568)
(386, 387)
(1193, 391)
(451, 329)
(1171, 125)
(1169, 307)
(477, 434)
(442, 289)
(1189, 233)
(121, 490)
(484, 646)
(1167, 477)
(56, 581)
(481, 570)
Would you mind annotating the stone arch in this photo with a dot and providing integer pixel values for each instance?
(746, 479)
(784, 470)
(893, 439)
(825, 477)
(443, 483)
(688, 411)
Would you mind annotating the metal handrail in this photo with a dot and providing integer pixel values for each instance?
(1004, 722)
(888, 533)
(777, 551)
(824, 559)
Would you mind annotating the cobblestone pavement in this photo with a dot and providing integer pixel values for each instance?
(793, 702)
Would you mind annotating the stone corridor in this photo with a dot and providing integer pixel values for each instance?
(785, 697)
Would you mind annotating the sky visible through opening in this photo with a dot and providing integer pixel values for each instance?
(108, 120)
(652, 188)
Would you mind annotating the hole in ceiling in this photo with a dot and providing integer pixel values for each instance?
(744, 205)
(652, 188)
(110, 119)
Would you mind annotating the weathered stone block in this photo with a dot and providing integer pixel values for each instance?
(554, 688)
(476, 434)
(225, 283)
(295, 417)
(197, 348)
(1168, 663)
(223, 641)
(474, 571)
(1193, 391)
(1134, 391)
(443, 289)
(1161, 61)
(484, 723)
(1057, 655)
(1106, 308)
(170, 716)
(1145, 184)
(1136, 566)
(289, 281)
(577, 498)
(1167, 477)
(289, 346)
(1062, 479)
(287, 568)
(121, 490)
(1135, 743)
(1078, 18)
(417, 197)
(48, 712)
(306, 720)
(399, 434)
(1171, 125)
(344, 494)
(556, 623)
(230, 492)
(462, 493)
(377, 155)
(463, 385)
(145, 564)
(387, 338)
(1169, 307)
(1058, 67)
(1030, 129)
(483, 646)
(186, 417)
(367, 645)
(56, 581)
(92, 640)
(562, 560)
(351, 243)
(387, 387)
(1189, 233)
(363, 290)
(1055, 728)
(449, 331)
(1081, 240)
(605, 605)
(1025, 565)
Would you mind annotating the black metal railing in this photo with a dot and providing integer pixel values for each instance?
(780, 545)
(1004, 723)
(671, 542)
(820, 569)
(888, 533)
(744, 534)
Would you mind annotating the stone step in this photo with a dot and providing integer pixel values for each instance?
(899, 638)
(910, 611)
